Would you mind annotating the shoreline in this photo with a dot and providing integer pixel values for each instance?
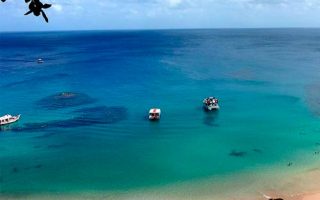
(306, 196)
(300, 184)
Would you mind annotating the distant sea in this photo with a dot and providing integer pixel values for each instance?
(84, 126)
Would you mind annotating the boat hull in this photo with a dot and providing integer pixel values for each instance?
(211, 108)
(211, 103)
(154, 118)
(10, 120)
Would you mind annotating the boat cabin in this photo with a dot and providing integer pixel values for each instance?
(4, 119)
(211, 103)
(154, 114)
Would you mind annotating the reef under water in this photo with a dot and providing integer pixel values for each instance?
(257, 150)
(313, 98)
(85, 117)
(65, 100)
(36, 80)
(102, 114)
(235, 153)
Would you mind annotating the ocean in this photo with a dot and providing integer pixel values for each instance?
(84, 127)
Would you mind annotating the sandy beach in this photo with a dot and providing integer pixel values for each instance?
(312, 197)
(300, 185)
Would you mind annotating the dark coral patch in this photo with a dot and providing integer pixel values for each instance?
(92, 116)
(31, 127)
(257, 150)
(235, 153)
(15, 170)
(285, 98)
(313, 98)
(65, 100)
(38, 166)
(302, 133)
(102, 114)
(45, 136)
(36, 80)
(56, 146)
(84, 117)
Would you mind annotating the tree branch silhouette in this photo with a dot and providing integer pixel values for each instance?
(36, 7)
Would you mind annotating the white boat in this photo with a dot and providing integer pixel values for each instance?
(40, 60)
(8, 119)
(211, 103)
(154, 114)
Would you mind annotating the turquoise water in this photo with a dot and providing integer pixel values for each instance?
(267, 81)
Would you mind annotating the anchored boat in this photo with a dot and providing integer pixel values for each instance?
(211, 103)
(154, 114)
(8, 119)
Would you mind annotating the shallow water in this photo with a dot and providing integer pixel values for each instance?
(266, 81)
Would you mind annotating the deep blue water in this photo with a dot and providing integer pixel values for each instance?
(267, 81)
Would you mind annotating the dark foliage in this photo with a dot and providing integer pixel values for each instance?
(35, 7)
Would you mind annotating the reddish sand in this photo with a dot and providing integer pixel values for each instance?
(312, 197)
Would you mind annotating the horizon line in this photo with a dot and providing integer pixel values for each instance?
(158, 29)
